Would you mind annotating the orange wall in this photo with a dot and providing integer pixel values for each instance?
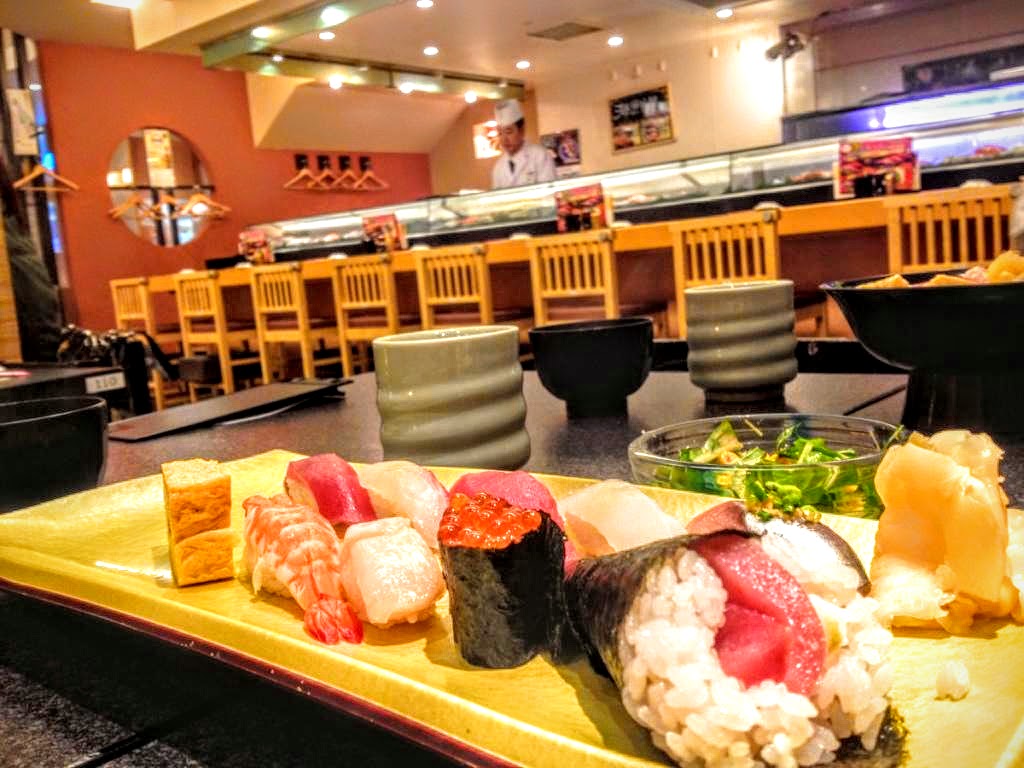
(97, 96)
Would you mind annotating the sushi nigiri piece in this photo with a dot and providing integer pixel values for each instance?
(329, 485)
(503, 568)
(292, 551)
(388, 572)
(519, 489)
(612, 516)
(730, 657)
(404, 489)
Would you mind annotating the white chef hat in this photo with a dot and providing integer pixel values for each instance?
(508, 112)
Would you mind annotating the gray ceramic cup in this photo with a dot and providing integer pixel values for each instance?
(742, 345)
(453, 397)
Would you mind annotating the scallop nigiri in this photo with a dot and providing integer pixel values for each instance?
(404, 489)
(292, 551)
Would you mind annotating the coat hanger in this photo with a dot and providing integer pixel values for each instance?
(348, 178)
(326, 179)
(301, 180)
(212, 208)
(134, 202)
(60, 184)
(370, 182)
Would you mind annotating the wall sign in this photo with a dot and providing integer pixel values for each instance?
(159, 157)
(564, 146)
(641, 119)
(23, 121)
(485, 140)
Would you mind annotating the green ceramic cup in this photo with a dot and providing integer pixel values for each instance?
(453, 397)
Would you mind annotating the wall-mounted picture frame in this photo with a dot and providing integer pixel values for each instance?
(641, 119)
(564, 147)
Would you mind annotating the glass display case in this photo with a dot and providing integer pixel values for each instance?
(798, 172)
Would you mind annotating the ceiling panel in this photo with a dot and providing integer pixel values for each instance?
(71, 21)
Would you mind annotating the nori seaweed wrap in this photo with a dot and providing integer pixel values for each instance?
(504, 569)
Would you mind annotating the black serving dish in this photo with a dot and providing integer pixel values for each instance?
(594, 365)
(50, 448)
(960, 343)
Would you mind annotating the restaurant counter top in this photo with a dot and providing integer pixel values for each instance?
(78, 691)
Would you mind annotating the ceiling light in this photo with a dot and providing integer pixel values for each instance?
(724, 13)
(277, 58)
(470, 97)
(431, 50)
(130, 4)
(327, 35)
(522, 64)
(615, 41)
(35, 87)
(424, 3)
(335, 81)
(261, 33)
(406, 88)
(332, 16)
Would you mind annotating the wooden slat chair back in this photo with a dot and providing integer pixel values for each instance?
(450, 278)
(576, 266)
(947, 229)
(365, 302)
(282, 316)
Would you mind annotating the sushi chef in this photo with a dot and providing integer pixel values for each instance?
(521, 162)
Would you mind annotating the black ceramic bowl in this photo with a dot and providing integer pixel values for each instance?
(594, 365)
(50, 448)
(961, 344)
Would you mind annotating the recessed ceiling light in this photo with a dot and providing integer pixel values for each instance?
(277, 58)
(335, 81)
(130, 4)
(431, 50)
(522, 64)
(406, 88)
(724, 13)
(424, 3)
(261, 33)
(470, 97)
(332, 16)
(615, 41)
(327, 35)
(35, 87)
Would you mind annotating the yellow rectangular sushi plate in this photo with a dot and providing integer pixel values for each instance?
(105, 551)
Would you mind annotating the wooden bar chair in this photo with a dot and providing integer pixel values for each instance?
(133, 310)
(946, 229)
(574, 277)
(204, 324)
(282, 316)
(454, 286)
(733, 247)
(366, 304)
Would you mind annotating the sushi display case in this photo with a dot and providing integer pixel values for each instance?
(989, 148)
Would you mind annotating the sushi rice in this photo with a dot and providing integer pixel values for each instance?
(674, 684)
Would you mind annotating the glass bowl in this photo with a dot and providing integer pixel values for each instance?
(841, 486)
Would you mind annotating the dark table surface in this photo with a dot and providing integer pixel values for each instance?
(78, 691)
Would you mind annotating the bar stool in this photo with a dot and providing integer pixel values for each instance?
(960, 228)
(738, 247)
(366, 304)
(204, 323)
(133, 310)
(574, 277)
(282, 316)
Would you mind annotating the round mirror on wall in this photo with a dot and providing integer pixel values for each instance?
(159, 187)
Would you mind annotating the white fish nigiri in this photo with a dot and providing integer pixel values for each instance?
(614, 515)
(388, 572)
(404, 489)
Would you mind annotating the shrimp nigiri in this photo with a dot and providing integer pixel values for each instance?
(292, 551)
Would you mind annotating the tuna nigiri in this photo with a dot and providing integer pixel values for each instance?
(389, 573)
(292, 551)
(404, 489)
(329, 485)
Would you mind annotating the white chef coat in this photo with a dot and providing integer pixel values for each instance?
(530, 165)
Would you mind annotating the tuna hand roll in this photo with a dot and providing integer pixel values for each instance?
(730, 655)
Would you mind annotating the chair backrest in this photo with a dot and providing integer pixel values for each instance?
(278, 289)
(947, 228)
(450, 277)
(365, 284)
(740, 246)
(199, 298)
(132, 305)
(573, 266)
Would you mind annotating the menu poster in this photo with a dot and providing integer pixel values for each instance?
(893, 159)
(254, 244)
(159, 157)
(485, 140)
(23, 121)
(583, 208)
(385, 232)
(564, 147)
(641, 119)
